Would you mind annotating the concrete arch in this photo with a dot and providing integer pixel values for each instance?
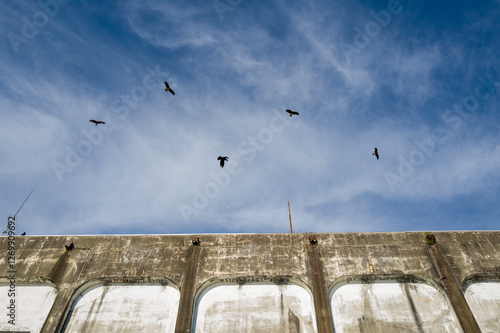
(243, 279)
(391, 303)
(268, 285)
(482, 293)
(478, 277)
(27, 302)
(90, 287)
(373, 278)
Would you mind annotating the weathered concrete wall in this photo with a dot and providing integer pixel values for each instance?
(33, 303)
(392, 307)
(273, 259)
(484, 301)
(109, 308)
(255, 307)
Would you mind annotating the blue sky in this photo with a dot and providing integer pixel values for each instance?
(419, 80)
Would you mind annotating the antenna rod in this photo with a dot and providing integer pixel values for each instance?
(290, 215)
(23, 204)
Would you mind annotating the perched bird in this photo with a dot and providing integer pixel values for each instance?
(23, 234)
(376, 153)
(167, 88)
(292, 112)
(96, 122)
(222, 159)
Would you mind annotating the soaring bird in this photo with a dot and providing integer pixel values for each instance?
(96, 122)
(222, 159)
(167, 88)
(376, 153)
(292, 112)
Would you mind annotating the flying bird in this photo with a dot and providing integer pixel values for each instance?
(96, 122)
(222, 159)
(292, 112)
(23, 234)
(167, 88)
(376, 153)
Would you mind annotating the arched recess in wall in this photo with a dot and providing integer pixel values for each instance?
(254, 304)
(138, 305)
(26, 303)
(482, 293)
(390, 304)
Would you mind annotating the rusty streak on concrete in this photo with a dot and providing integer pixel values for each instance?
(453, 290)
(320, 294)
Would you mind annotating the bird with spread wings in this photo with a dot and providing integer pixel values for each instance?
(168, 89)
(292, 113)
(96, 122)
(376, 153)
(222, 159)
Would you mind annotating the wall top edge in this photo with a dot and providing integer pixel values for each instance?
(271, 234)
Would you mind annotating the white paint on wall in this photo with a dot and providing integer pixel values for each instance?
(391, 306)
(32, 304)
(255, 307)
(484, 301)
(124, 308)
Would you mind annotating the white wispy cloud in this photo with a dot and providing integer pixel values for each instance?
(233, 80)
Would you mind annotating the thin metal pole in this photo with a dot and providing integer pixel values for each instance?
(23, 204)
(290, 215)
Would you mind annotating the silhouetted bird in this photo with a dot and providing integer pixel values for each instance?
(376, 153)
(4, 232)
(292, 112)
(23, 234)
(96, 122)
(222, 160)
(167, 88)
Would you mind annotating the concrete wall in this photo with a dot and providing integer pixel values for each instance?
(110, 308)
(98, 281)
(255, 307)
(392, 307)
(32, 305)
(484, 300)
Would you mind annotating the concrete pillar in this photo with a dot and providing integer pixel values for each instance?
(55, 319)
(453, 290)
(321, 305)
(56, 315)
(187, 291)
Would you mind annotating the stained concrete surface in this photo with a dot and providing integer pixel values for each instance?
(255, 307)
(484, 300)
(32, 305)
(392, 306)
(246, 258)
(124, 308)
